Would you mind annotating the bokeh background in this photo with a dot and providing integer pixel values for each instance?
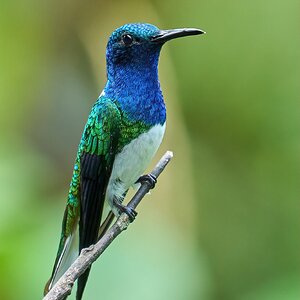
(223, 222)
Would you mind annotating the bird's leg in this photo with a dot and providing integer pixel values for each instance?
(149, 179)
(131, 213)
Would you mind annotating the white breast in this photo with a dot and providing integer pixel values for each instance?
(132, 161)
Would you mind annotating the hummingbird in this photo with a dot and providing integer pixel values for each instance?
(123, 132)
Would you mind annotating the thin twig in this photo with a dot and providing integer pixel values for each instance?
(89, 255)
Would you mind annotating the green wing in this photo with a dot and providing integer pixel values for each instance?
(96, 164)
(92, 170)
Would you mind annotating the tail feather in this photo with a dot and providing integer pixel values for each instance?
(64, 259)
(69, 253)
(81, 283)
(105, 225)
(82, 280)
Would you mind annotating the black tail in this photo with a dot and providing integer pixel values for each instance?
(82, 280)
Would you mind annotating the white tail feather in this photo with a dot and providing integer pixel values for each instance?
(67, 257)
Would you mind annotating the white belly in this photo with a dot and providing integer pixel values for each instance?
(132, 161)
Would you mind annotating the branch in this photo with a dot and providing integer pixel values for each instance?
(89, 255)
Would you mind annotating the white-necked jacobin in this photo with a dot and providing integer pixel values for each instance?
(123, 132)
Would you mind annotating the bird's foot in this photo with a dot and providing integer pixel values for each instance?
(129, 211)
(149, 179)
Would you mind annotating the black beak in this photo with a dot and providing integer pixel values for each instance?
(166, 35)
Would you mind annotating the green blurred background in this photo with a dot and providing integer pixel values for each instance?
(222, 223)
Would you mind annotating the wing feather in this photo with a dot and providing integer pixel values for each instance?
(96, 164)
(91, 174)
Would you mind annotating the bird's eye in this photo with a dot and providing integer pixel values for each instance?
(127, 39)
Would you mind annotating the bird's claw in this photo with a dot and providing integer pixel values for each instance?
(129, 211)
(148, 178)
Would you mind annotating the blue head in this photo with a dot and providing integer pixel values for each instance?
(131, 46)
(132, 55)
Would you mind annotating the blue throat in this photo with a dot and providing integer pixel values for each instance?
(135, 87)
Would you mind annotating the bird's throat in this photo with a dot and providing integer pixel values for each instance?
(137, 91)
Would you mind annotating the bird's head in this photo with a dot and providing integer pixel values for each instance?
(138, 45)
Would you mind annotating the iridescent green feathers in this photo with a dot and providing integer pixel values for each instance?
(102, 127)
(106, 132)
(99, 146)
(105, 122)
